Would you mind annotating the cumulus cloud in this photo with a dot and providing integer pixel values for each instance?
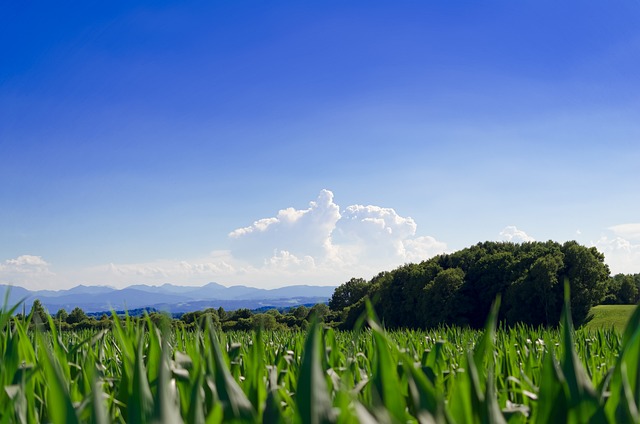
(24, 270)
(305, 232)
(324, 238)
(513, 234)
(421, 248)
(25, 264)
(622, 255)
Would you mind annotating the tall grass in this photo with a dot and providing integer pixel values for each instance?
(138, 373)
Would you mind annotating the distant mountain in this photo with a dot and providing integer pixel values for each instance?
(168, 297)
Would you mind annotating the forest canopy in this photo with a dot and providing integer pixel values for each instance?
(458, 288)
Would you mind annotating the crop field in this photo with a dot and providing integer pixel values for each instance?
(136, 373)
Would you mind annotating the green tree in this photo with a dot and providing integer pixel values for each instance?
(191, 317)
(588, 276)
(39, 313)
(442, 294)
(301, 312)
(348, 293)
(61, 315)
(222, 314)
(241, 313)
(320, 311)
(536, 297)
(77, 316)
(264, 321)
(162, 320)
(622, 289)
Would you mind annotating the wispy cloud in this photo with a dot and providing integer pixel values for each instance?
(627, 231)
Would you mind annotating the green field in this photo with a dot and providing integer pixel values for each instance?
(136, 372)
(610, 316)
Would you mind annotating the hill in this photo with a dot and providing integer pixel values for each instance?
(609, 316)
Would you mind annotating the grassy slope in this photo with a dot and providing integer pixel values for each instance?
(607, 316)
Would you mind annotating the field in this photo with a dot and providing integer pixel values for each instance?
(138, 373)
(610, 316)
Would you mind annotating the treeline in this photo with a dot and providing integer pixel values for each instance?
(450, 289)
(458, 288)
(240, 319)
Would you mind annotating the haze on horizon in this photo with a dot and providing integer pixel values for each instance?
(270, 144)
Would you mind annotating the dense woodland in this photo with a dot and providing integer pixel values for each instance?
(449, 289)
(458, 288)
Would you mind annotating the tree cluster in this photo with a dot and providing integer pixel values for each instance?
(241, 319)
(272, 319)
(623, 289)
(458, 288)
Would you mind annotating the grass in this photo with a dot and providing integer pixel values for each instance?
(609, 316)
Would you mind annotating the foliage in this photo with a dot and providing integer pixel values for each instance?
(137, 372)
(458, 288)
(623, 289)
(348, 293)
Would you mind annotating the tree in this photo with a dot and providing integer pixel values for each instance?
(264, 321)
(61, 315)
(222, 314)
(242, 313)
(191, 317)
(348, 293)
(161, 320)
(539, 290)
(39, 313)
(76, 316)
(301, 312)
(622, 289)
(442, 297)
(588, 276)
(320, 311)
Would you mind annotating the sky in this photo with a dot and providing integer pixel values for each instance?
(286, 142)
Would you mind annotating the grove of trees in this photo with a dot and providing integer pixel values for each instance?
(458, 288)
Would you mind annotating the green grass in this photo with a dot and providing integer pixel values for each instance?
(610, 316)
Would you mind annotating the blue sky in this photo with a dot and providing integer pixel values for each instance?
(183, 142)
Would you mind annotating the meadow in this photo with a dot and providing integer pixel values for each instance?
(609, 316)
(136, 372)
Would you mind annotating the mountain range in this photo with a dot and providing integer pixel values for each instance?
(167, 297)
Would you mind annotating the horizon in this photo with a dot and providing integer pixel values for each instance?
(269, 145)
(164, 284)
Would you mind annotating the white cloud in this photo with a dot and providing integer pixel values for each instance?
(513, 234)
(25, 270)
(627, 231)
(27, 262)
(305, 232)
(197, 271)
(321, 245)
(326, 240)
(421, 248)
(622, 255)
(284, 260)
